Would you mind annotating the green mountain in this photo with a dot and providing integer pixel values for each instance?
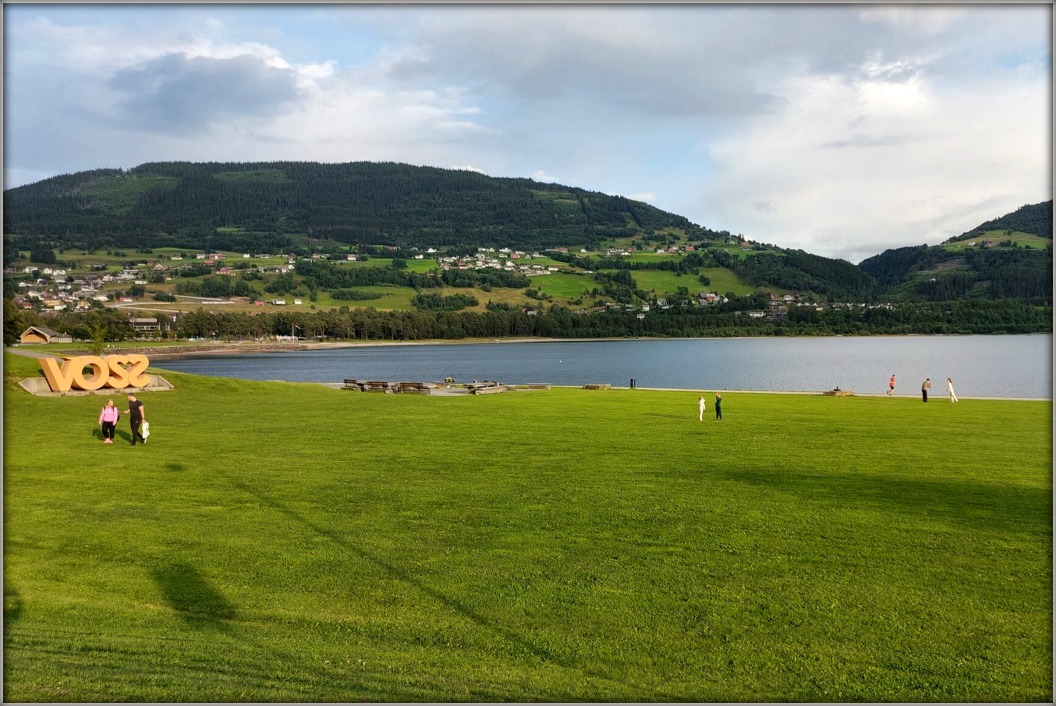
(1005, 258)
(283, 206)
(1035, 219)
(183, 204)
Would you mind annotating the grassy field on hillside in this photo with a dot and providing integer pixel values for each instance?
(291, 542)
(1023, 240)
(565, 285)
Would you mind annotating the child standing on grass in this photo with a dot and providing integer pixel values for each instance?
(703, 406)
(718, 406)
(949, 389)
(108, 418)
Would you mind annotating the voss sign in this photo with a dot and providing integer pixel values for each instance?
(114, 371)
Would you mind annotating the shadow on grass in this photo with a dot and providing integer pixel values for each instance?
(12, 605)
(177, 467)
(450, 602)
(970, 503)
(192, 596)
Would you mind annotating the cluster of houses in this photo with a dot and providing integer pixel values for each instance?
(780, 304)
(53, 290)
(501, 259)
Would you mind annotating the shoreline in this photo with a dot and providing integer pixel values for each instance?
(172, 351)
(248, 347)
(245, 347)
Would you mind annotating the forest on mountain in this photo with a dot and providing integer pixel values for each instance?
(983, 262)
(1032, 218)
(999, 272)
(180, 204)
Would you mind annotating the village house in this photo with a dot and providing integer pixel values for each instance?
(143, 325)
(42, 334)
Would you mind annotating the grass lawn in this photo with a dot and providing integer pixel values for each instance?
(664, 282)
(567, 285)
(289, 542)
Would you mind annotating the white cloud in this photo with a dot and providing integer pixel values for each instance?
(842, 130)
(851, 168)
(931, 19)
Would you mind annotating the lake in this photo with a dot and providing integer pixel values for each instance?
(1017, 366)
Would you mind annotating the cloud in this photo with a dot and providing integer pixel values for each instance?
(851, 168)
(603, 58)
(182, 95)
(838, 129)
(540, 175)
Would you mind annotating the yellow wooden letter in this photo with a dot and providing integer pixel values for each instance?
(109, 372)
(100, 372)
(132, 376)
(59, 378)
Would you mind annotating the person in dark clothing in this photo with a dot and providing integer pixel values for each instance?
(136, 417)
(924, 388)
(718, 406)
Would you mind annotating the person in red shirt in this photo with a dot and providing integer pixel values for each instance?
(891, 386)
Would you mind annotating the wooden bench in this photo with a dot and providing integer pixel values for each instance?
(419, 388)
(377, 386)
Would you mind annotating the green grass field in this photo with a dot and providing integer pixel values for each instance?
(290, 542)
(1023, 240)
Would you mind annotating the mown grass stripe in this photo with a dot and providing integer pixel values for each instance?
(290, 542)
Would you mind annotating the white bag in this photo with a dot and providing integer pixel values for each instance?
(145, 430)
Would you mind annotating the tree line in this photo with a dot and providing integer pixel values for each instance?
(435, 321)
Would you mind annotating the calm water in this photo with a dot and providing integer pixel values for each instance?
(983, 366)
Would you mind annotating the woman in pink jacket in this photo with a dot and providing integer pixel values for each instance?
(108, 418)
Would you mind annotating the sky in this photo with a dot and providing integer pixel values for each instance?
(841, 130)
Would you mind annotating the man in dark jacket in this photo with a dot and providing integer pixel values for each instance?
(136, 417)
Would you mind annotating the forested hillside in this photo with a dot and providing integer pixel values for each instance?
(395, 237)
(1035, 219)
(1008, 257)
(180, 204)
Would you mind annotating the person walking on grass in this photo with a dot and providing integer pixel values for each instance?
(718, 406)
(891, 385)
(108, 417)
(925, 388)
(703, 406)
(136, 416)
(949, 389)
